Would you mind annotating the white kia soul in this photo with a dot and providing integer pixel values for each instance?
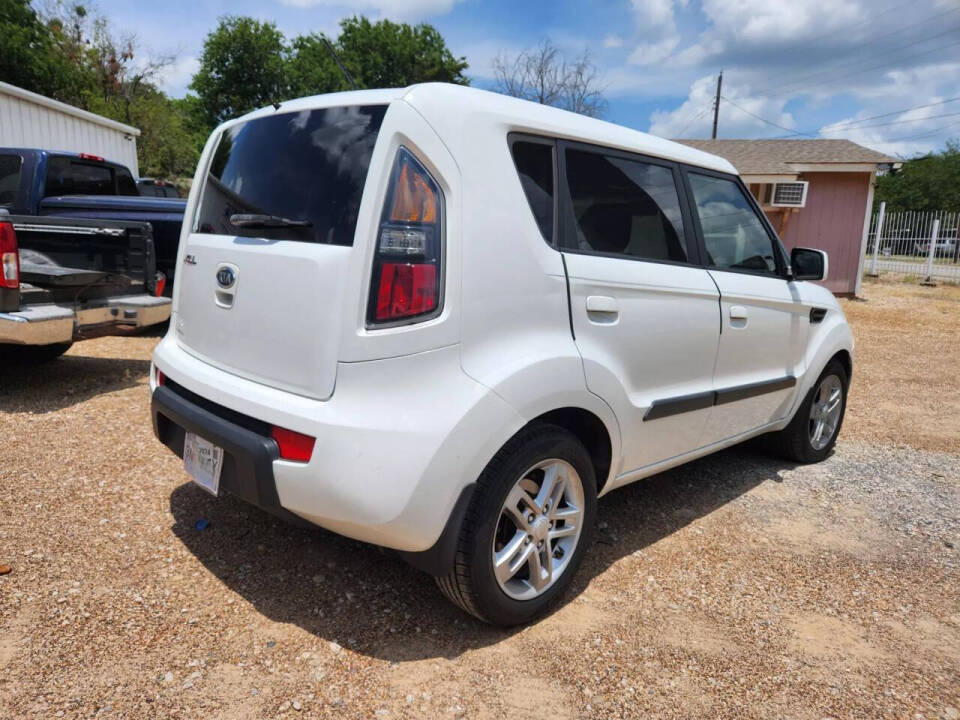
(445, 321)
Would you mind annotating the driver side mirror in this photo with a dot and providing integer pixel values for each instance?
(808, 264)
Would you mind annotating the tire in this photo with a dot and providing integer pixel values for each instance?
(489, 527)
(31, 354)
(795, 442)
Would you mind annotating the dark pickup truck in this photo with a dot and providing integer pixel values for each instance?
(80, 185)
(67, 279)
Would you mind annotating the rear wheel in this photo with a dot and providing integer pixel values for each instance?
(31, 354)
(813, 432)
(529, 523)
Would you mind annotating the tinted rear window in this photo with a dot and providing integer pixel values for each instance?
(66, 176)
(534, 163)
(308, 167)
(9, 178)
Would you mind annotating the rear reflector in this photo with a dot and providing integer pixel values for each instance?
(405, 290)
(9, 257)
(161, 378)
(293, 445)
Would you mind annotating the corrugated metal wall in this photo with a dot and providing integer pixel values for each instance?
(27, 124)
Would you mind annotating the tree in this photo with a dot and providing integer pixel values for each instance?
(242, 67)
(385, 54)
(543, 75)
(928, 182)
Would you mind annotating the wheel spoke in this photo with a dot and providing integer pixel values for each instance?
(512, 557)
(519, 505)
(568, 513)
(817, 432)
(552, 487)
(562, 532)
(834, 400)
(540, 572)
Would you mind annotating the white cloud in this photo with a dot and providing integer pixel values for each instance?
(175, 78)
(651, 53)
(399, 9)
(612, 41)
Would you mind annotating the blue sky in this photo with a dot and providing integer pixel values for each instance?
(815, 68)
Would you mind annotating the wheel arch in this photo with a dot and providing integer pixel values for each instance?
(590, 430)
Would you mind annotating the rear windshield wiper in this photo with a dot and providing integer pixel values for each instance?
(262, 220)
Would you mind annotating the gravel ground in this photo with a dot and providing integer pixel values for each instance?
(737, 586)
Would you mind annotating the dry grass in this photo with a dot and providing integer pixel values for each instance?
(906, 388)
(738, 586)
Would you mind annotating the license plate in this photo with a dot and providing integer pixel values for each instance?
(202, 460)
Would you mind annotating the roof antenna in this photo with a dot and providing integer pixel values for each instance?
(339, 62)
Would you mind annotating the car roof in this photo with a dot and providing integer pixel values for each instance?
(448, 107)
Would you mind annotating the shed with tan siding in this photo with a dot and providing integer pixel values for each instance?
(834, 217)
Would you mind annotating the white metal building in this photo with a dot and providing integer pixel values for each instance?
(34, 121)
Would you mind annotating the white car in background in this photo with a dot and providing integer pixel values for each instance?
(445, 321)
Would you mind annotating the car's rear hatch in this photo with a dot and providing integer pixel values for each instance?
(262, 274)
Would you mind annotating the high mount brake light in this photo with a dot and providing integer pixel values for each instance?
(407, 272)
(9, 257)
(90, 156)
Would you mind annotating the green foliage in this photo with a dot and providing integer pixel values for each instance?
(385, 54)
(929, 182)
(311, 69)
(242, 67)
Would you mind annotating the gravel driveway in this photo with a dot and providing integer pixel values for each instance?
(737, 586)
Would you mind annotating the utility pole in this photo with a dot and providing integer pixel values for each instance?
(716, 105)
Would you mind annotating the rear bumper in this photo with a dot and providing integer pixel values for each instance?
(396, 447)
(49, 323)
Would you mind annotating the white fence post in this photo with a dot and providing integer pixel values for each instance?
(876, 239)
(932, 252)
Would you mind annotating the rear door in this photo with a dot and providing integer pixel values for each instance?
(644, 312)
(260, 288)
(764, 321)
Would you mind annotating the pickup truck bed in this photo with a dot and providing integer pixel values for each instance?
(80, 279)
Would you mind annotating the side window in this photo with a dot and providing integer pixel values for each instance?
(625, 207)
(9, 178)
(735, 237)
(534, 163)
(125, 182)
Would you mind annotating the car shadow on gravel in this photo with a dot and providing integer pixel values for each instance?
(366, 598)
(66, 381)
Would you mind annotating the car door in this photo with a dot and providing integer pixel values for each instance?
(644, 312)
(764, 322)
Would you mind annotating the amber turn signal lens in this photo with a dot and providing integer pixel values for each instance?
(413, 200)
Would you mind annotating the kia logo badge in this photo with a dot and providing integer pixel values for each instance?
(226, 277)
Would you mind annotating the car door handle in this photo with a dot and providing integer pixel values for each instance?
(738, 312)
(602, 304)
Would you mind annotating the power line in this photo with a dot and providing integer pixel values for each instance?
(691, 122)
(895, 112)
(763, 119)
(900, 122)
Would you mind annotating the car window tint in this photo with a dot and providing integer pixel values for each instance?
(9, 178)
(625, 207)
(308, 166)
(735, 237)
(69, 177)
(534, 163)
(125, 183)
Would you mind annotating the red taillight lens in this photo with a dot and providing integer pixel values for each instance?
(91, 156)
(406, 290)
(161, 378)
(161, 284)
(293, 445)
(407, 272)
(9, 257)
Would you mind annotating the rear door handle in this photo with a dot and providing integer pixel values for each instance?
(601, 304)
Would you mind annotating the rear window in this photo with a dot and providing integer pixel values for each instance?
(9, 178)
(308, 167)
(66, 176)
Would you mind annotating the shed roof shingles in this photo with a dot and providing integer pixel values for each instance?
(776, 157)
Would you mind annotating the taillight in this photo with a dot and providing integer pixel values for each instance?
(293, 445)
(161, 284)
(161, 378)
(407, 271)
(9, 257)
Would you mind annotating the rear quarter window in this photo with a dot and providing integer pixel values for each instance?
(10, 178)
(309, 167)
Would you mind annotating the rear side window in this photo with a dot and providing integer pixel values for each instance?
(66, 176)
(295, 176)
(734, 236)
(534, 163)
(10, 178)
(625, 207)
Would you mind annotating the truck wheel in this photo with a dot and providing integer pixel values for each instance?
(31, 354)
(813, 432)
(528, 525)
